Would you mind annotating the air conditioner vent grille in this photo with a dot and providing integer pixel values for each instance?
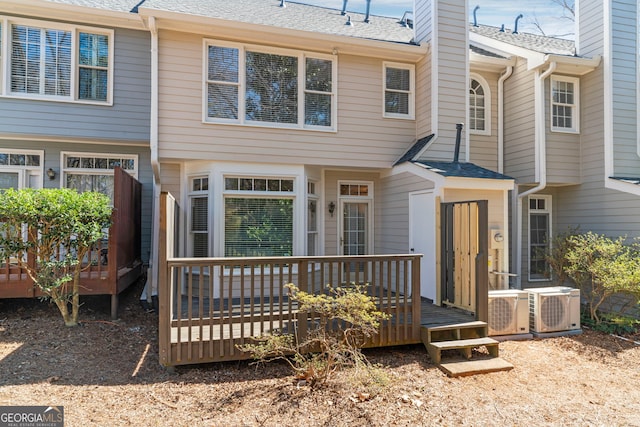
(501, 314)
(554, 311)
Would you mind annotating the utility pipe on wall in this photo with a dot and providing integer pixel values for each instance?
(540, 141)
(507, 73)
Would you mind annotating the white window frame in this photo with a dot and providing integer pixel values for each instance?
(198, 194)
(64, 170)
(575, 107)
(300, 55)
(369, 199)
(312, 195)
(412, 90)
(548, 210)
(27, 175)
(6, 24)
(487, 105)
(253, 194)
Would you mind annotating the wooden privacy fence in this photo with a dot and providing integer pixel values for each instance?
(210, 305)
(112, 264)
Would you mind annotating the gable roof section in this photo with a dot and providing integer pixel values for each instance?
(295, 16)
(533, 42)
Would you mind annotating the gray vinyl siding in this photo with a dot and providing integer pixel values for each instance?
(331, 238)
(364, 138)
(484, 148)
(451, 72)
(127, 119)
(392, 210)
(423, 97)
(423, 21)
(563, 149)
(52, 160)
(519, 134)
(624, 64)
(590, 23)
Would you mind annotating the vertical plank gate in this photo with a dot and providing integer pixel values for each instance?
(464, 275)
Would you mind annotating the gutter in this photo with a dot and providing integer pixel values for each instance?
(155, 163)
(504, 76)
(541, 162)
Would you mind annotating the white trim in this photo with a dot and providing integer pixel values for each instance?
(412, 90)
(301, 56)
(487, 105)
(575, 106)
(75, 30)
(548, 210)
(190, 195)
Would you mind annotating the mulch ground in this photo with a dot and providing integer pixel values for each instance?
(107, 373)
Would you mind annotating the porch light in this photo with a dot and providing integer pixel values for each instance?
(51, 174)
(332, 208)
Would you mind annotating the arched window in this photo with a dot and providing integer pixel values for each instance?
(479, 106)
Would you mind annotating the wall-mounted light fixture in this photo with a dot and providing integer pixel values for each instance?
(332, 208)
(51, 174)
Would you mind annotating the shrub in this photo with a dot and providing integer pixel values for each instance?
(61, 225)
(340, 323)
(601, 267)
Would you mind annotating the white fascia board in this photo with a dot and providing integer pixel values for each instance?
(534, 59)
(415, 169)
(573, 65)
(479, 183)
(484, 63)
(285, 37)
(72, 13)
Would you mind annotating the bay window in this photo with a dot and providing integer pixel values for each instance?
(247, 85)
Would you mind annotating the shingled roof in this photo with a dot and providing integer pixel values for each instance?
(534, 42)
(460, 170)
(115, 5)
(295, 16)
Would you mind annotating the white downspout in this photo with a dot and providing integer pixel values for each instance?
(155, 164)
(507, 73)
(541, 161)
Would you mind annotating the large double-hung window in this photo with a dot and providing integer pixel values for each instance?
(249, 85)
(58, 61)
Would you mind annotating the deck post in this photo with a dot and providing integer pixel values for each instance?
(303, 285)
(164, 284)
(416, 300)
(482, 272)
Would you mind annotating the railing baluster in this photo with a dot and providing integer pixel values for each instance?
(230, 312)
(212, 279)
(221, 311)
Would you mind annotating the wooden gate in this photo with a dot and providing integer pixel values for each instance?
(464, 246)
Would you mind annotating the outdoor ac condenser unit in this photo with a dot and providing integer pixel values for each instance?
(508, 312)
(554, 309)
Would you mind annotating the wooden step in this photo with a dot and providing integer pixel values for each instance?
(465, 346)
(460, 368)
(455, 331)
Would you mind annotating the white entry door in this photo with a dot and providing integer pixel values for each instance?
(422, 239)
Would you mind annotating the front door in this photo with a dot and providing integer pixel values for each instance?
(355, 224)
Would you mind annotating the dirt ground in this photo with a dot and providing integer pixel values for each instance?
(107, 373)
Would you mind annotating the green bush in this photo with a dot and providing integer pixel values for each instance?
(340, 323)
(56, 228)
(614, 324)
(600, 266)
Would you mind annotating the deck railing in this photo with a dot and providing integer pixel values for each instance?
(208, 306)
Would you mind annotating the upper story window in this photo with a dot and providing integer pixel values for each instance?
(564, 104)
(479, 106)
(399, 90)
(58, 62)
(283, 88)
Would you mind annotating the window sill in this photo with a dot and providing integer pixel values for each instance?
(561, 130)
(58, 99)
(398, 116)
(263, 125)
(479, 132)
